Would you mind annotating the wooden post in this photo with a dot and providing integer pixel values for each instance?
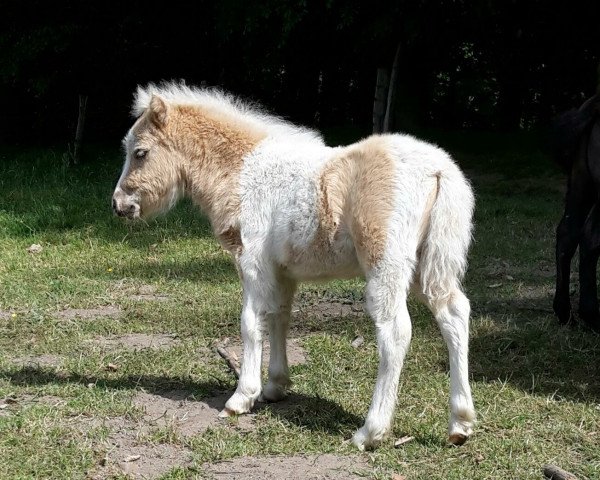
(79, 132)
(381, 92)
(387, 121)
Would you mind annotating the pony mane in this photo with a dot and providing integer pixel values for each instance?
(178, 93)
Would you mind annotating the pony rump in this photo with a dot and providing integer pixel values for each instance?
(217, 100)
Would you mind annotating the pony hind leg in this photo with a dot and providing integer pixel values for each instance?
(452, 316)
(386, 302)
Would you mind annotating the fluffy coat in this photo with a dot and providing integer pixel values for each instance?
(391, 208)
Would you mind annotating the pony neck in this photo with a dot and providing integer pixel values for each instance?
(215, 145)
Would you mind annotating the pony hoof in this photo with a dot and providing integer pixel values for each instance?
(272, 393)
(457, 439)
(365, 439)
(226, 413)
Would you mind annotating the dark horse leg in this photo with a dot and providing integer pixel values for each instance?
(579, 200)
(589, 250)
(568, 235)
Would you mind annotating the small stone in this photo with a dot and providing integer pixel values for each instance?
(357, 342)
(35, 248)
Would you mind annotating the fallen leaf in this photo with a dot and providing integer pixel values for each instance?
(478, 458)
(35, 248)
(397, 476)
(403, 440)
(494, 285)
(132, 458)
(111, 367)
(509, 277)
(357, 342)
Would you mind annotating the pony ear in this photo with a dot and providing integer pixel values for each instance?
(159, 111)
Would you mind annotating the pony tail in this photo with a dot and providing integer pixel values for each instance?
(443, 259)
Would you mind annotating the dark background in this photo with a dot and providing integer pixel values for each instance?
(487, 65)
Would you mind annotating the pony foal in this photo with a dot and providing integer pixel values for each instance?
(288, 208)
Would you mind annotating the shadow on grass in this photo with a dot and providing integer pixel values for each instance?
(306, 411)
(532, 352)
(210, 270)
(43, 198)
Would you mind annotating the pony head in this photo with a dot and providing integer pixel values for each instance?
(151, 181)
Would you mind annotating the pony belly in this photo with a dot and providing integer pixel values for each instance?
(339, 261)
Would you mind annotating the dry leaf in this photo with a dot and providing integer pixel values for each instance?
(397, 476)
(111, 367)
(403, 440)
(132, 458)
(357, 342)
(494, 285)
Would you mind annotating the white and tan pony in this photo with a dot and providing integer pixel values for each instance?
(289, 208)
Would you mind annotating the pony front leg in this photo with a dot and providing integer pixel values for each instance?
(249, 384)
(279, 375)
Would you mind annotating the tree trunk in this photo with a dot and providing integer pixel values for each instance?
(79, 132)
(381, 92)
(387, 121)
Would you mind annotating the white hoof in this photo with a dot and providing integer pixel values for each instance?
(461, 427)
(238, 404)
(367, 439)
(226, 413)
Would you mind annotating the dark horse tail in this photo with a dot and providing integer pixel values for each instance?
(567, 129)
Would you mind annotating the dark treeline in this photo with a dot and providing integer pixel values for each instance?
(488, 65)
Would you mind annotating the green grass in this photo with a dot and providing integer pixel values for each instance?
(536, 385)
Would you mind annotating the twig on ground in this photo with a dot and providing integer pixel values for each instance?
(231, 361)
(552, 472)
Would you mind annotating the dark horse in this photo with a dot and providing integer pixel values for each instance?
(577, 137)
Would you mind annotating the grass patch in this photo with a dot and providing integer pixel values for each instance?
(536, 385)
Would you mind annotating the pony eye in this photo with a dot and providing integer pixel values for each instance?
(140, 153)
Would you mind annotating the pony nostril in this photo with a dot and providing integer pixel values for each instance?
(114, 205)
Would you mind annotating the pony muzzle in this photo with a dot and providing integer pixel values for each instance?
(125, 205)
